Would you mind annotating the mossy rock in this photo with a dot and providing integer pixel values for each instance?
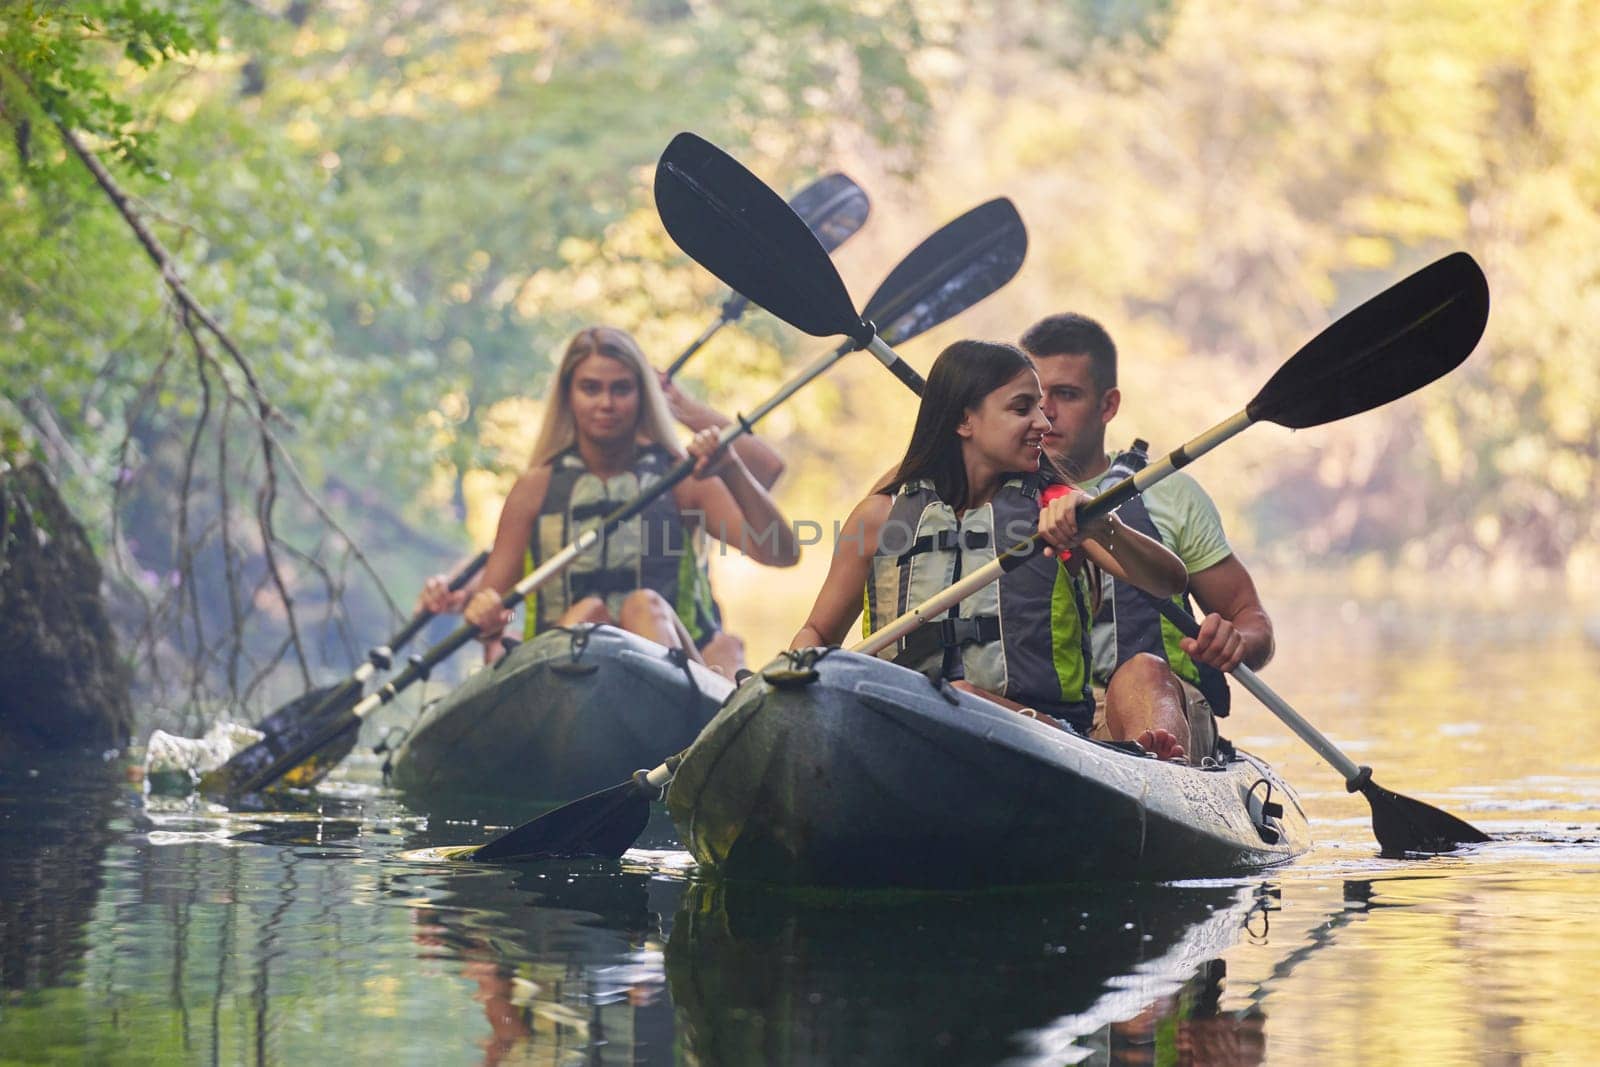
(62, 685)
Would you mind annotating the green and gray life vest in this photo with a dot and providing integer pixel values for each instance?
(1025, 637)
(652, 550)
(1134, 616)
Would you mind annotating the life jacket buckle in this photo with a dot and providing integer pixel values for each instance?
(977, 630)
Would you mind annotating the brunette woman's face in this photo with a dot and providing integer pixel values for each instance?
(1007, 428)
(604, 395)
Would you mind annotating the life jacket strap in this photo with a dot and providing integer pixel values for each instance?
(595, 509)
(602, 583)
(935, 637)
(945, 541)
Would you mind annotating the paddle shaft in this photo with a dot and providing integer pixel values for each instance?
(705, 335)
(421, 666)
(379, 658)
(1274, 703)
(382, 656)
(1102, 504)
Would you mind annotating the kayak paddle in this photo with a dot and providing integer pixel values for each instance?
(699, 187)
(1412, 333)
(1400, 823)
(833, 207)
(960, 264)
(1405, 337)
(288, 728)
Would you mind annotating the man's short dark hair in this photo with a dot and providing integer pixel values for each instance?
(1071, 334)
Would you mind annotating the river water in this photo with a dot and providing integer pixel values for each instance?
(141, 930)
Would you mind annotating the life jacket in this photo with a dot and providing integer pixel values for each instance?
(652, 550)
(1025, 637)
(1134, 616)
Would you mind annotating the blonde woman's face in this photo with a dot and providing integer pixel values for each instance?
(605, 399)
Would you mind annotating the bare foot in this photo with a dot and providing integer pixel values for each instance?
(1164, 745)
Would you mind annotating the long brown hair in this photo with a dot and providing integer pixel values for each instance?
(559, 430)
(961, 377)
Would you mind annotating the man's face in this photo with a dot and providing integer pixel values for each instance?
(1078, 413)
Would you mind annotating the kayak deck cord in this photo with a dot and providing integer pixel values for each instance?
(680, 659)
(1270, 809)
(578, 640)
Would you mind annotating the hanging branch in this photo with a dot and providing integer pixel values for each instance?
(186, 547)
(267, 496)
(202, 328)
(121, 556)
(230, 563)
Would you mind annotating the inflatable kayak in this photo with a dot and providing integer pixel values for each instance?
(839, 769)
(559, 716)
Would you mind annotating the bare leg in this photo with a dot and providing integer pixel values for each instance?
(591, 609)
(1145, 704)
(647, 614)
(1005, 702)
(724, 653)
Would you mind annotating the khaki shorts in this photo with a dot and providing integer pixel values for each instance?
(1202, 724)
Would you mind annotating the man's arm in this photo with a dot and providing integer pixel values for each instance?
(1236, 628)
(760, 458)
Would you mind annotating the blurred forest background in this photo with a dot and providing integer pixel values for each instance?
(368, 228)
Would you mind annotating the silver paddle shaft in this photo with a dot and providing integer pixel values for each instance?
(695, 346)
(1291, 718)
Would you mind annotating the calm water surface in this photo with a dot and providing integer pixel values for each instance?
(139, 930)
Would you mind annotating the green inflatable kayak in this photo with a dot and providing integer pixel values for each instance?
(557, 717)
(841, 769)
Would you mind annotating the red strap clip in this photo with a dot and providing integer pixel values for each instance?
(1055, 492)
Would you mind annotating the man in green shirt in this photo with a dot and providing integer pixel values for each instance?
(1148, 671)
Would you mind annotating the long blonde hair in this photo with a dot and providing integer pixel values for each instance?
(559, 431)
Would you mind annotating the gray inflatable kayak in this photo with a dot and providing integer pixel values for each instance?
(846, 770)
(559, 716)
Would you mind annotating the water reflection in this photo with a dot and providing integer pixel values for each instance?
(183, 933)
(53, 838)
(1053, 976)
(564, 960)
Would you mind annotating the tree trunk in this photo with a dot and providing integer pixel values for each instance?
(62, 685)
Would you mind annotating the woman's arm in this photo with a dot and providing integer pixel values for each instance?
(738, 510)
(506, 560)
(839, 601)
(1118, 549)
(762, 460)
(1130, 556)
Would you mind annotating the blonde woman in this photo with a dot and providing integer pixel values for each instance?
(606, 437)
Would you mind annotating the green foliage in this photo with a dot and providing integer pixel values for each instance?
(58, 66)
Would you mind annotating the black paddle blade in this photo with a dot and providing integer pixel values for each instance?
(1404, 825)
(962, 263)
(833, 207)
(604, 824)
(1412, 333)
(736, 227)
(287, 731)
